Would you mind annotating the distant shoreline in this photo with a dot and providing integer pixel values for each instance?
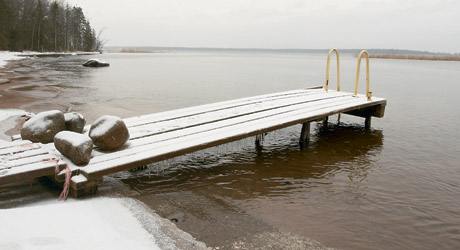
(416, 57)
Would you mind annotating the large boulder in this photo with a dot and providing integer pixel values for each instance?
(95, 63)
(43, 126)
(74, 122)
(109, 132)
(77, 147)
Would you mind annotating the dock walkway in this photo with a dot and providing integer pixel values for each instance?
(160, 136)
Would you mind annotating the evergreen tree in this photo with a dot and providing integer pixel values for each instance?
(45, 25)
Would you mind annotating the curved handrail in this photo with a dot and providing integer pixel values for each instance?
(368, 93)
(338, 69)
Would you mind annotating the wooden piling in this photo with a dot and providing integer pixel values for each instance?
(305, 135)
(367, 122)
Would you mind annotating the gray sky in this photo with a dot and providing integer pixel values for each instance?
(432, 25)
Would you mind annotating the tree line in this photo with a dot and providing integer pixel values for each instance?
(43, 25)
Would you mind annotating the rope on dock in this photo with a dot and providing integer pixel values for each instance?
(68, 174)
(65, 189)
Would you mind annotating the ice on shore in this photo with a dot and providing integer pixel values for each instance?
(8, 120)
(6, 56)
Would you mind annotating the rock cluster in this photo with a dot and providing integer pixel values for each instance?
(107, 133)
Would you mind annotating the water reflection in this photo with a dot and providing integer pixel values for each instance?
(243, 171)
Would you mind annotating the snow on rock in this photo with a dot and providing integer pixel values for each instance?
(109, 132)
(95, 63)
(43, 126)
(74, 122)
(77, 147)
(6, 56)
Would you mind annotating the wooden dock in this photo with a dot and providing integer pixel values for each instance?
(160, 136)
(157, 137)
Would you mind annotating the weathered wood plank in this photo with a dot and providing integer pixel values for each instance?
(215, 116)
(136, 156)
(173, 114)
(8, 144)
(211, 127)
(30, 171)
(24, 146)
(25, 154)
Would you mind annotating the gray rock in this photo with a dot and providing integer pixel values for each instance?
(109, 132)
(74, 122)
(95, 63)
(77, 147)
(43, 126)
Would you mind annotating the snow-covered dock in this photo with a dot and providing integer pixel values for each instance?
(160, 136)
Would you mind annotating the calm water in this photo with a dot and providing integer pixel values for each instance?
(396, 186)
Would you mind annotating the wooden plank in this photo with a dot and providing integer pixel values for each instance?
(8, 144)
(211, 106)
(28, 172)
(181, 145)
(189, 131)
(29, 160)
(25, 146)
(266, 103)
(204, 118)
(29, 153)
(214, 106)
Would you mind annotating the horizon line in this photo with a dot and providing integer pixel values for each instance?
(280, 49)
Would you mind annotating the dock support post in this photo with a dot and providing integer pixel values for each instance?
(305, 135)
(326, 120)
(367, 122)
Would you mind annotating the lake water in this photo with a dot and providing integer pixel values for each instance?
(396, 186)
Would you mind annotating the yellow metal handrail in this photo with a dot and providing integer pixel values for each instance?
(368, 93)
(338, 69)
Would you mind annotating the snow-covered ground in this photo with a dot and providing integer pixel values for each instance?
(95, 223)
(8, 120)
(99, 223)
(6, 56)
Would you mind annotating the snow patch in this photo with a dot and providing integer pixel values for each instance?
(96, 59)
(8, 120)
(103, 125)
(75, 139)
(39, 123)
(99, 223)
(7, 113)
(6, 56)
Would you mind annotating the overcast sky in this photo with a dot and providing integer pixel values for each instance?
(432, 25)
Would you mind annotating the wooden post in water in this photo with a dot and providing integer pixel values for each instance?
(305, 135)
(367, 122)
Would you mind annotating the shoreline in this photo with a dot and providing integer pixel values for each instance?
(147, 230)
(11, 99)
(415, 57)
(196, 213)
